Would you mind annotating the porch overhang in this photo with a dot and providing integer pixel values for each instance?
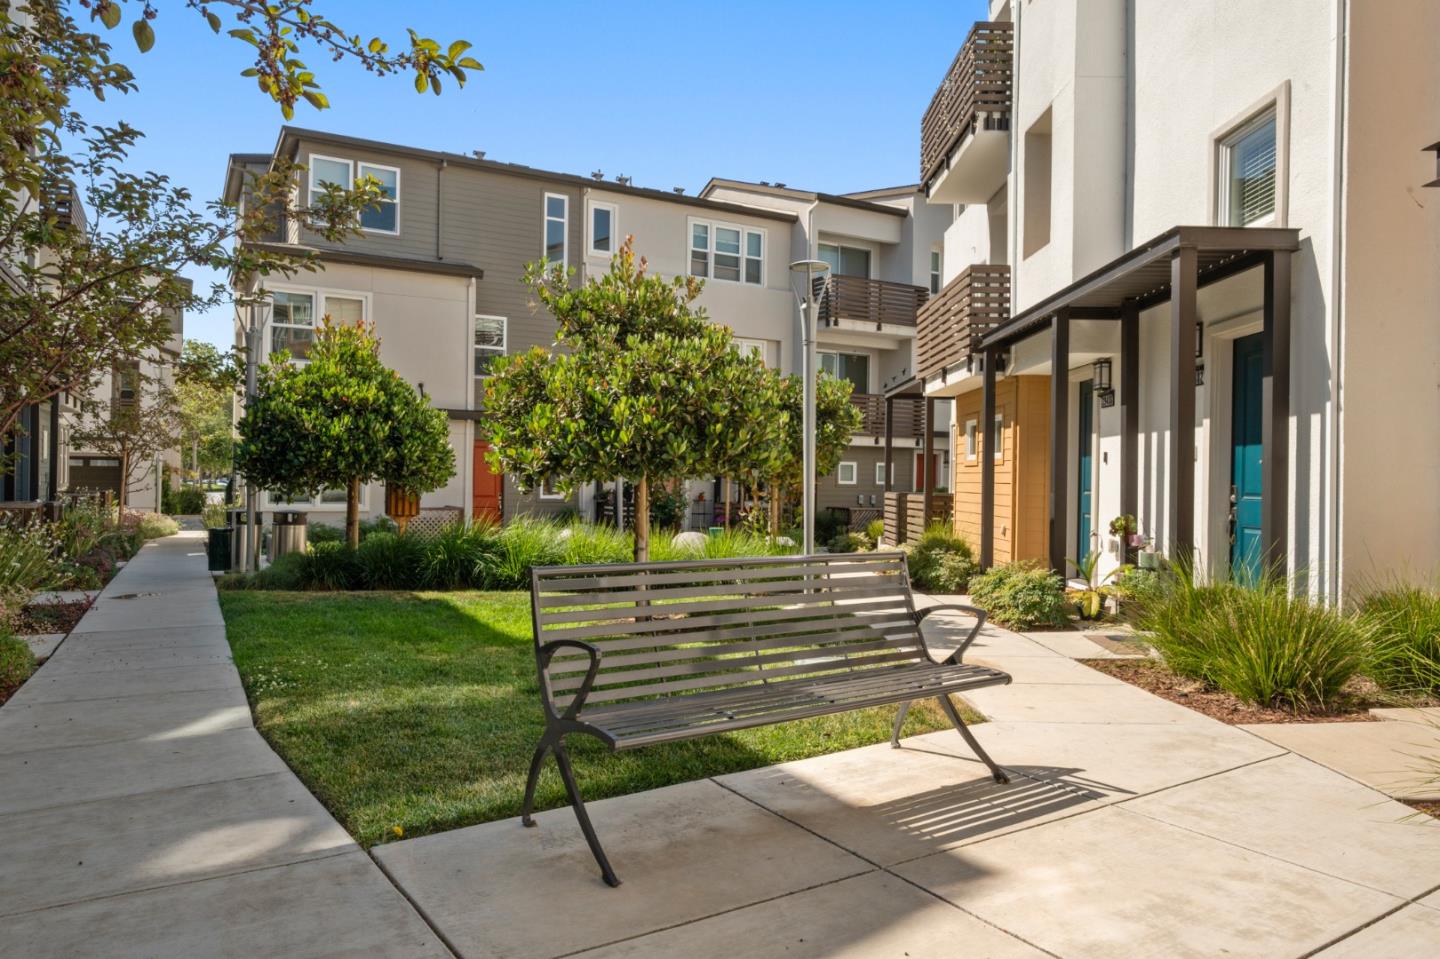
(1170, 268)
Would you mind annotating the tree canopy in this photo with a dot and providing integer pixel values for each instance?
(339, 421)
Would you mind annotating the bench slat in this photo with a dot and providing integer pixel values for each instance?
(662, 626)
(555, 578)
(794, 599)
(727, 588)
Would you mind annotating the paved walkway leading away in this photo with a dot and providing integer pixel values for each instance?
(143, 814)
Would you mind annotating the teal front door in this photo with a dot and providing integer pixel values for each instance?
(1084, 493)
(1246, 489)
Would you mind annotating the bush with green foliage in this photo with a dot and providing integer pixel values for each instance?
(875, 529)
(668, 507)
(331, 566)
(186, 501)
(323, 533)
(17, 662)
(829, 524)
(849, 543)
(156, 525)
(1021, 595)
(926, 556)
(390, 561)
(1258, 642)
(1137, 590)
(29, 558)
(213, 516)
(1405, 643)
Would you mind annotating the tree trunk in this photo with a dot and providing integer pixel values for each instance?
(352, 514)
(642, 520)
(121, 496)
(774, 509)
(725, 483)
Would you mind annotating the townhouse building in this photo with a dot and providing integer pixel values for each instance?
(438, 268)
(1193, 279)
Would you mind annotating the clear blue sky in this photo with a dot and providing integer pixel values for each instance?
(825, 97)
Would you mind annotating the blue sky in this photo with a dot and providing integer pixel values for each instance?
(825, 97)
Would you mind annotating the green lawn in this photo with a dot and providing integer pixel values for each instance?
(411, 713)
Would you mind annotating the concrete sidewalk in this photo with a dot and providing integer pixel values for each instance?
(1133, 827)
(145, 816)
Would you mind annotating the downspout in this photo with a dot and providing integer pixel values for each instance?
(439, 208)
(1337, 299)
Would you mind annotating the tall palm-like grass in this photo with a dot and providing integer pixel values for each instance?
(1258, 642)
(1405, 646)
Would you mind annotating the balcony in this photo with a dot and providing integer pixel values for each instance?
(964, 135)
(909, 413)
(949, 326)
(862, 303)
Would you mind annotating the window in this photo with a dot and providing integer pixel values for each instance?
(854, 367)
(385, 217)
(292, 321)
(549, 489)
(1036, 198)
(490, 332)
(1247, 188)
(880, 473)
(935, 272)
(997, 437)
(970, 440)
(557, 222)
(731, 253)
(325, 170)
(746, 347)
(603, 217)
(846, 473)
(127, 383)
(846, 260)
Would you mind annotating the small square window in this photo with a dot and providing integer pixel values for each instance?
(846, 473)
(1248, 173)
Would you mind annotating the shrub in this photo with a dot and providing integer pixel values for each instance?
(1405, 644)
(456, 557)
(213, 516)
(586, 543)
(156, 525)
(954, 573)
(290, 571)
(17, 662)
(390, 561)
(1257, 642)
(724, 545)
(330, 566)
(380, 524)
(927, 553)
(186, 501)
(667, 507)
(29, 558)
(82, 525)
(875, 529)
(828, 525)
(323, 533)
(1139, 590)
(849, 543)
(1021, 595)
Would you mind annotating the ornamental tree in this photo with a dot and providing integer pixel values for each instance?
(341, 420)
(837, 419)
(134, 431)
(642, 386)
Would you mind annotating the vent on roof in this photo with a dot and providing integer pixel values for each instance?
(779, 185)
(478, 154)
(622, 179)
(764, 182)
(597, 175)
(678, 189)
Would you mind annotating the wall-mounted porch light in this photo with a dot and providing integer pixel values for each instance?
(1100, 371)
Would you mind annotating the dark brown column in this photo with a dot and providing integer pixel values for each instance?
(54, 451)
(1275, 413)
(889, 440)
(929, 460)
(987, 461)
(1059, 437)
(1129, 413)
(1181, 464)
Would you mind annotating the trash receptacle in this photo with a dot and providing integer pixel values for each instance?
(239, 541)
(288, 533)
(217, 548)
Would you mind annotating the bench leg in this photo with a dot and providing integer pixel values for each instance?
(568, 775)
(970, 740)
(536, 762)
(899, 721)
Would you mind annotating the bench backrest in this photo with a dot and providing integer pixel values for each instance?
(688, 627)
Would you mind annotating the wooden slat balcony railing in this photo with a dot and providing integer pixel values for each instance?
(865, 300)
(978, 83)
(909, 413)
(950, 324)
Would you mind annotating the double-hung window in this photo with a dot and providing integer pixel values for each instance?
(330, 170)
(490, 332)
(384, 217)
(603, 217)
(557, 228)
(720, 251)
(1247, 187)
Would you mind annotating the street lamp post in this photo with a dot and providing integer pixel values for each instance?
(810, 269)
(253, 331)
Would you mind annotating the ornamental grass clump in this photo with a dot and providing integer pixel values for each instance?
(1258, 642)
(1405, 645)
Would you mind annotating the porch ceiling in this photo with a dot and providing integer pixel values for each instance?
(1142, 275)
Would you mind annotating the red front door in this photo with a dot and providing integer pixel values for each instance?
(485, 504)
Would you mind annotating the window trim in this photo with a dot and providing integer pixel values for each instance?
(474, 347)
(972, 440)
(545, 219)
(310, 174)
(1277, 100)
(393, 169)
(313, 505)
(318, 295)
(854, 473)
(712, 227)
(998, 437)
(614, 209)
(549, 497)
(880, 472)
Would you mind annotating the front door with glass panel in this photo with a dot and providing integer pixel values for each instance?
(1246, 489)
(1085, 490)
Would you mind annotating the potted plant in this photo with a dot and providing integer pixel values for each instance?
(1092, 596)
(1127, 530)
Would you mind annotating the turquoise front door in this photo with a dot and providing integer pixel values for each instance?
(1246, 489)
(1084, 493)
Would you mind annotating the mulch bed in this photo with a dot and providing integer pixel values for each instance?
(1427, 806)
(1153, 677)
(50, 617)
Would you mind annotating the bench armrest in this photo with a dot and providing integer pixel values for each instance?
(547, 651)
(975, 611)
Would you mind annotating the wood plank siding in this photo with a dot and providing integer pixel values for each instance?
(1021, 474)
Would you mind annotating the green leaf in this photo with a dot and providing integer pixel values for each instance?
(214, 20)
(376, 45)
(421, 83)
(317, 100)
(144, 35)
(458, 47)
(109, 15)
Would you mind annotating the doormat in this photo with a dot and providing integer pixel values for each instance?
(1120, 645)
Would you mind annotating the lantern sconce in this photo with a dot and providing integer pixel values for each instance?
(1103, 387)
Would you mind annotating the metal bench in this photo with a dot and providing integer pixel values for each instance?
(639, 654)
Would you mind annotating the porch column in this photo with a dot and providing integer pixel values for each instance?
(1181, 463)
(987, 460)
(929, 461)
(54, 451)
(1059, 437)
(1129, 414)
(1275, 413)
(889, 441)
